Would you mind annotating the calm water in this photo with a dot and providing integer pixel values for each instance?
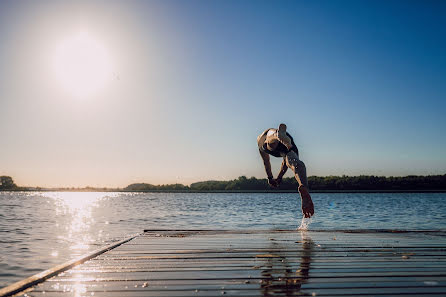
(40, 230)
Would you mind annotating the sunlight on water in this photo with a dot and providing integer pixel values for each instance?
(77, 208)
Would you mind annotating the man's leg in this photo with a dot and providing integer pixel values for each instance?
(298, 167)
(300, 173)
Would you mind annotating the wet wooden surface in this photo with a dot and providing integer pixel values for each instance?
(261, 263)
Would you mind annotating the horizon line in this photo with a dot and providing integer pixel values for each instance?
(209, 180)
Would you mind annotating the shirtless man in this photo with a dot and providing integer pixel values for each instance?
(278, 143)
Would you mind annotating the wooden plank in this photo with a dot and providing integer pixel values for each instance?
(376, 281)
(265, 291)
(314, 271)
(253, 265)
(177, 285)
(215, 275)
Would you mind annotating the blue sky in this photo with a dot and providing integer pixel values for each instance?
(360, 84)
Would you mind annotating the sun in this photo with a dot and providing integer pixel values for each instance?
(81, 65)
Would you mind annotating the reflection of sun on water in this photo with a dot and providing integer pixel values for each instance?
(77, 208)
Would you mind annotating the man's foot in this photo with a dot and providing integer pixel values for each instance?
(307, 203)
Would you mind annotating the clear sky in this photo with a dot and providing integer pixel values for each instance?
(107, 93)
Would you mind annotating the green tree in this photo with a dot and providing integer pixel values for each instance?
(6, 183)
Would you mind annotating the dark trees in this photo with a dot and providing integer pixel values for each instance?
(6, 183)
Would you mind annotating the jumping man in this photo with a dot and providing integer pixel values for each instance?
(279, 143)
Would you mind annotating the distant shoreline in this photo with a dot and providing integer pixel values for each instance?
(228, 191)
(242, 184)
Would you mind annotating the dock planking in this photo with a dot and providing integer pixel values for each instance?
(260, 263)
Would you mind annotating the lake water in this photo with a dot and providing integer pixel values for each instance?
(40, 230)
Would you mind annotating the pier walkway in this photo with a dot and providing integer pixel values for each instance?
(260, 263)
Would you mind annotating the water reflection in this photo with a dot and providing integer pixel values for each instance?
(279, 276)
(75, 220)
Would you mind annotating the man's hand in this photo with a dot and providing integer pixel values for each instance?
(272, 182)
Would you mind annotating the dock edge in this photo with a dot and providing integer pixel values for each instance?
(22, 285)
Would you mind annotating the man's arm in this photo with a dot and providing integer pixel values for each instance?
(267, 164)
(271, 181)
(282, 171)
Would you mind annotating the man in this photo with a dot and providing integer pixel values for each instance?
(278, 143)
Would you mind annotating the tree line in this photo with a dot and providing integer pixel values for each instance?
(316, 183)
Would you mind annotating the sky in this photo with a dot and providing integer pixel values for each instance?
(108, 93)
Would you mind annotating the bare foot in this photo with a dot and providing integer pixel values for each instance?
(307, 203)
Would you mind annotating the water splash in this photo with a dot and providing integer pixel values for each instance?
(304, 224)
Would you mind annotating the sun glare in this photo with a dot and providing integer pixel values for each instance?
(77, 208)
(82, 65)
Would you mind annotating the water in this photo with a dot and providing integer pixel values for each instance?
(40, 230)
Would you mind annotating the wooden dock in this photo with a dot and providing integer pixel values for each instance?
(260, 263)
